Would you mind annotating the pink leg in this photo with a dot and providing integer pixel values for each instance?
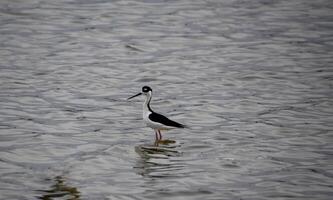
(156, 136)
(159, 132)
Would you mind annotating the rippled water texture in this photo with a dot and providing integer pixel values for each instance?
(252, 78)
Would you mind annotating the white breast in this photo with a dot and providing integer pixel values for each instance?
(147, 121)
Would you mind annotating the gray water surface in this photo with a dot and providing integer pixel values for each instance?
(252, 78)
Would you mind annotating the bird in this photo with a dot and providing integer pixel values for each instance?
(152, 119)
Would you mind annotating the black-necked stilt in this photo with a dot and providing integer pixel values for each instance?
(154, 120)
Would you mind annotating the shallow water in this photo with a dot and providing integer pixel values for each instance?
(253, 80)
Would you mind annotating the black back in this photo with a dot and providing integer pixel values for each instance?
(155, 117)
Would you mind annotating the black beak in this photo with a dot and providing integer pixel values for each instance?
(134, 96)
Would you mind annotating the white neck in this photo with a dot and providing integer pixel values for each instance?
(147, 101)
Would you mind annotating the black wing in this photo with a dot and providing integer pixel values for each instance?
(155, 117)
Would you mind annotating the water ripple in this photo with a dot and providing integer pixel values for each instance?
(252, 80)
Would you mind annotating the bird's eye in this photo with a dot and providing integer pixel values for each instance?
(145, 89)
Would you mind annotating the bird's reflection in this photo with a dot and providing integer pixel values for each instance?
(156, 159)
(165, 143)
(60, 190)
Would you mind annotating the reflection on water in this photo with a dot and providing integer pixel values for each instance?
(156, 160)
(60, 189)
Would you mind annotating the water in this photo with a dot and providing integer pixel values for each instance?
(253, 79)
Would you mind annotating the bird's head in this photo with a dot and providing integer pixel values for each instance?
(146, 90)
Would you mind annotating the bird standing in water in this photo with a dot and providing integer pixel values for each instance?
(154, 120)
